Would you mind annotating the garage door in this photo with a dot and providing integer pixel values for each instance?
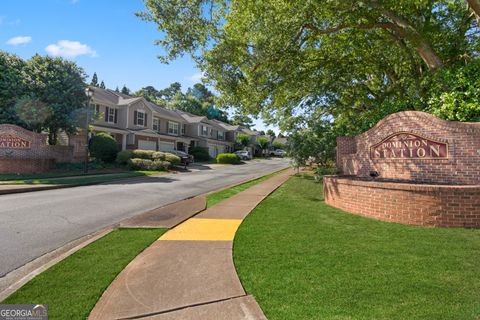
(166, 146)
(147, 145)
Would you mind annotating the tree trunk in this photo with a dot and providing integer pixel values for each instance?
(52, 137)
(429, 56)
(475, 6)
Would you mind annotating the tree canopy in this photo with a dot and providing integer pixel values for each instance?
(42, 93)
(353, 60)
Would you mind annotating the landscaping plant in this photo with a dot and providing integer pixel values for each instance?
(199, 153)
(103, 147)
(228, 158)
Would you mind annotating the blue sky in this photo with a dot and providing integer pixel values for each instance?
(102, 36)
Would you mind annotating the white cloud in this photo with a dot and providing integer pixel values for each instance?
(74, 1)
(15, 41)
(196, 77)
(70, 49)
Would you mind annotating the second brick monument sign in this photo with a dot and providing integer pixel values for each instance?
(412, 167)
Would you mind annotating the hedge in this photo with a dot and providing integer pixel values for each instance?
(228, 158)
(124, 156)
(142, 154)
(103, 147)
(151, 165)
(173, 159)
(199, 153)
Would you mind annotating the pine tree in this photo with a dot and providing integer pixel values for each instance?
(125, 90)
(102, 85)
(94, 80)
(116, 89)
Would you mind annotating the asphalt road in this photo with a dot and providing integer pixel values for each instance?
(32, 224)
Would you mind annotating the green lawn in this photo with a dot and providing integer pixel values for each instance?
(73, 178)
(302, 259)
(218, 196)
(72, 287)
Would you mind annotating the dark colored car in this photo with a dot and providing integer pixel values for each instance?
(184, 157)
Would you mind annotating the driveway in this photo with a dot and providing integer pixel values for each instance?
(32, 224)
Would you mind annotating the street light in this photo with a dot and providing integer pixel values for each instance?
(89, 94)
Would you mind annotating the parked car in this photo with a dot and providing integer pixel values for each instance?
(184, 157)
(278, 153)
(244, 154)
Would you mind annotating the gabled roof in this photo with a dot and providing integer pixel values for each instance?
(225, 126)
(164, 112)
(190, 118)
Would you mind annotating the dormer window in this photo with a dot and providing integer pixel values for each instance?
(140, 118)
(221, 135)
(111, 115)
(204, 130)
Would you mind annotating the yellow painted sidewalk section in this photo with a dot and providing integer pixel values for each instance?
(204, 229)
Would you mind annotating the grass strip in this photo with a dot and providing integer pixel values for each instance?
(303, 259)
(217, 197)
(86, 179)
(72, 287)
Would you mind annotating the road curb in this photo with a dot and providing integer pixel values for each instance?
(15, 279)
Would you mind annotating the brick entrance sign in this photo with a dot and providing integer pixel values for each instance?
(23, 151)
(411, 168)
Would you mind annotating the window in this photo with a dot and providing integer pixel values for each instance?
(173, 128)
(211, 132)
(139, 118)
(221, 135)
(111, 115)
(156, 124)
(184, 127)
(204, 130)
(97, 108)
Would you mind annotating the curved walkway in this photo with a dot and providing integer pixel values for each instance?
(189, 273)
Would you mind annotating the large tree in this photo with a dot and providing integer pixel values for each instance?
(58, 84)
(355, 61)
(12, 86)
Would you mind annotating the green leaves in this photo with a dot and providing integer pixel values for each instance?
(42, 93)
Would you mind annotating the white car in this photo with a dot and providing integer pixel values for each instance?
(278, 153)
(244, 154)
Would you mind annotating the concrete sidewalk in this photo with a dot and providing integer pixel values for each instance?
(189, 273)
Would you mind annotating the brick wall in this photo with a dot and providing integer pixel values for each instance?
(417, 204)
(461, 166)
(39, 156)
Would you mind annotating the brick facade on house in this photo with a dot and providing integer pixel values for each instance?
(24, 151)
(428, 172)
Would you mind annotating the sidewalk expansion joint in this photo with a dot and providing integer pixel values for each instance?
(182, 308)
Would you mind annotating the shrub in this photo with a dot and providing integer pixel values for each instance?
(103, 147)
(199, 153)
(228, 158)
(149, 165)
(124, 156)
(158, 156)
(143, 154)
(326, 170)
(173, 159)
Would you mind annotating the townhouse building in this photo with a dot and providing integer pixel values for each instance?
(136, 123)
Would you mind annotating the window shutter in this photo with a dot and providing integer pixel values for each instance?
(116, 115)
(106, 114)
(135, 117)
(145, 120)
